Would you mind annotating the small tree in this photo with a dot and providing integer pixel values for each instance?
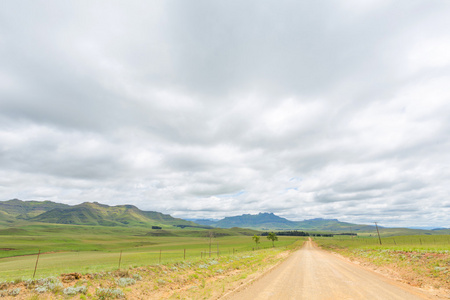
(256, 238)
(273, 237)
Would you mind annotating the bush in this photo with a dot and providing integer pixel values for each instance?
(72, 290)
(14, 292)
(41, 289)
(137, 276)
(109, 293)
(48, 284)
(125, 281)
(11, 292)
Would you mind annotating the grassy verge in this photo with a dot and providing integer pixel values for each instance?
(422, 261)
(195, 278)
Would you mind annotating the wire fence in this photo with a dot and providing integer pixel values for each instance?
(51, 263)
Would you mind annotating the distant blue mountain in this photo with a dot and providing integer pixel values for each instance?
(270, 221)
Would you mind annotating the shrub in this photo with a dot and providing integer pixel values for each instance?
(125, 281)
(11, 292)
(41, 289)
(213, 262)
(14, 292)
(109, 293)
(30, 283)
(137, 276)
(72, 290)
(48, 284)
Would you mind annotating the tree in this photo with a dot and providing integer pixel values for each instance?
(273, 237)
(256, 239)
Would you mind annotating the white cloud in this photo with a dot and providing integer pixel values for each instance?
(207, 109)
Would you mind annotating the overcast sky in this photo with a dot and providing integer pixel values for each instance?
(207, 109)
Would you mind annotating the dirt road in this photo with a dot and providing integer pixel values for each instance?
(312, 273)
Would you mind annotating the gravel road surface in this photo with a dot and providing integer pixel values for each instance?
(311, 273)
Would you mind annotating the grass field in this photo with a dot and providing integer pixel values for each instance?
(194, 278)
(88, 249)
(429, 243)
(422, 260)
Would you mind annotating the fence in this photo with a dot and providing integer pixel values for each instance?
(46, 264)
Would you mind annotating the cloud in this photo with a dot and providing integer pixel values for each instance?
(212, 109)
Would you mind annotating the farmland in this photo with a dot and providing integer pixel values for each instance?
(187, 261)
(431, 243)
(90, 249)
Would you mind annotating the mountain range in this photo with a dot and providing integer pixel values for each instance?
(17, 212)
(87, 213)
(270, 221)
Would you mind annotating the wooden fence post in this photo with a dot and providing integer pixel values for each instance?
(120, 258)
(37, 259)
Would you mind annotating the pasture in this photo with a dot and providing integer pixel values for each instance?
(426, 243)
(90, 249)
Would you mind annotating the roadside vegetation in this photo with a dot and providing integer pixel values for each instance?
(99, 262)
(420, 260)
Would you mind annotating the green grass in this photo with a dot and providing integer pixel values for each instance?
(193, 278)
(429, 243)
(90, 249)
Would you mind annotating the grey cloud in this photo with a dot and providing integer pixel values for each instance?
(179, 107)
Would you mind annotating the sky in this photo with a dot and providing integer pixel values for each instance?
(208, 109)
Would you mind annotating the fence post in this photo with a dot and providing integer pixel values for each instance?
(120, 258)
(160, 256)
(378, 232)
(184, 257)
(37, 259)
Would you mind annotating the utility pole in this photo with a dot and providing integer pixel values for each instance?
(379, 238)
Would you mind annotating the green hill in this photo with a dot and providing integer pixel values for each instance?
(13, 211)
(27, 209)
(100, 214)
